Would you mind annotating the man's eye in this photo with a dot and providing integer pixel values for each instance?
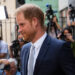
(22, 24)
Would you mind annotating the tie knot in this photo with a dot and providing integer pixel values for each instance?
(33, 46)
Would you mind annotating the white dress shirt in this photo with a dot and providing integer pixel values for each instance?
(38, 45)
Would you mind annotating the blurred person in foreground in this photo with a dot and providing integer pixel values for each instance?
(50, 56)
(10, 66)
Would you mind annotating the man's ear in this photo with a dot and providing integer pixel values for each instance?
(34, 21)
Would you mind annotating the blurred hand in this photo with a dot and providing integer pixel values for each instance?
(4, 61)
(69, 37)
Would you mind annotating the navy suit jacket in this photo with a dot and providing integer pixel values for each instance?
(55, 58)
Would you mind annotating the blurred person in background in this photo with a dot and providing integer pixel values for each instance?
(54, 27)
(66, 35)
(3, 51)
(71, 19)
(15, 49)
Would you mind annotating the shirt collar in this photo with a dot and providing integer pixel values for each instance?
(40, 41)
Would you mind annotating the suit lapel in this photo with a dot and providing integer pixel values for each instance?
(26, 56)
(41, 54)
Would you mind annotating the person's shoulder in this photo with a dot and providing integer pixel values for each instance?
(61, 43)
(58, 42)
(55, 40)
(3, 42)
(27, 45)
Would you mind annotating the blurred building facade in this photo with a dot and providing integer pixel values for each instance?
(43, 5)
(8, 27)
(63, 7)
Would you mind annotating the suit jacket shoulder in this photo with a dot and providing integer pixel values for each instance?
(25, 48)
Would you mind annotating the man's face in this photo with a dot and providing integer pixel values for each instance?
(66, 32)
(68, 35)
(13, 67)
(26, 27)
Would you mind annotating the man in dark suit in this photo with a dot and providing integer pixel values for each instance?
(48, 56)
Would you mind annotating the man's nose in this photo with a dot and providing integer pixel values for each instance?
(20, 30)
